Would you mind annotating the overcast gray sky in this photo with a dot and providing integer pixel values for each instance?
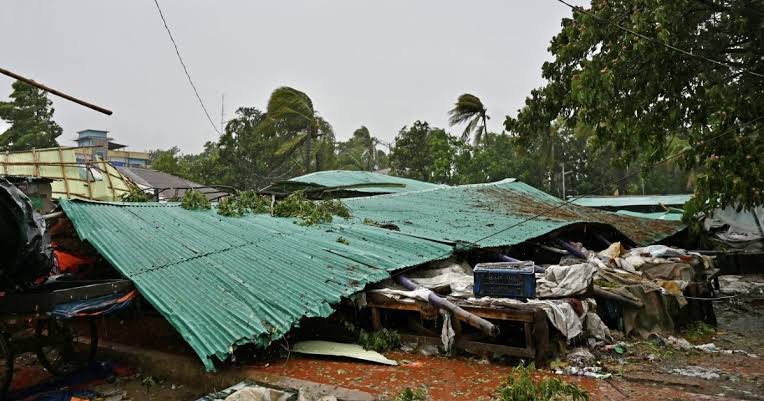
(383, 63)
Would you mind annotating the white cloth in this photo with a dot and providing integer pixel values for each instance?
(565, 281)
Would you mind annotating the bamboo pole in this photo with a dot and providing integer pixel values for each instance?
(55, 92)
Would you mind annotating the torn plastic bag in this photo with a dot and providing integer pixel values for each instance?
(25, 251)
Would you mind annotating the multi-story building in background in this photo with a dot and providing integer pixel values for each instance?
(95, 144)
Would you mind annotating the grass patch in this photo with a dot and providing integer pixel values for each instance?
(522, 386)
(409, 394)
(698, 332)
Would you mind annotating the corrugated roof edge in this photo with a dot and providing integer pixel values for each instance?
(264, 339)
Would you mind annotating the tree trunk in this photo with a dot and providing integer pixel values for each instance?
(485, 129)
(308, 151)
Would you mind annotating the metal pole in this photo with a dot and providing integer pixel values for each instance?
(55, 92)
(563, 181)
(473, 320)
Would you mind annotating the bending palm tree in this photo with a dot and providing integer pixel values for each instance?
(469, 109)
(290, 113)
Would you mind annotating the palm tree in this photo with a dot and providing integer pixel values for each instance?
(369, 143)
(468, 108)
(290, 114)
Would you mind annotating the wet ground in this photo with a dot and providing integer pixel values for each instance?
(647, 370)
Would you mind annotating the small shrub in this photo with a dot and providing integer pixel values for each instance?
(521, 386)
(381, 340)
(408, 394)
(194, 200)
(698, 331)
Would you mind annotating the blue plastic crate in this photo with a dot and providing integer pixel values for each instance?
(505, 280)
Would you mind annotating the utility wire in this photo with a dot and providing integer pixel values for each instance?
(626, 177)
(190, 81)
(658, 42)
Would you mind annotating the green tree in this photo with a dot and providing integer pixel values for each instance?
(469, 109)
(425, 153)
(249, 153)
(168, 161)
(640, 96)
(31, 118)
(360, 152)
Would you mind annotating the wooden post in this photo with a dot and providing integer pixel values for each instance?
(108, 177)
(376, 321)
(63, 171)
(541, 337)
(88, 183)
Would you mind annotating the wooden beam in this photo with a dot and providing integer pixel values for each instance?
(55, 92)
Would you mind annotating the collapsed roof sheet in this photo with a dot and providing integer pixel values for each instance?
(226, 281)
(470, 213)
(341, 178)
(172, 186)
(632, 200)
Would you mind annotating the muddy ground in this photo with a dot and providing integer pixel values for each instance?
(647, 370)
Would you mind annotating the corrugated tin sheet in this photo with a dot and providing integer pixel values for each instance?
(335, 178)
(223, 282)
(632, 200)
(669, 216)
(148, 178)
(469, 213)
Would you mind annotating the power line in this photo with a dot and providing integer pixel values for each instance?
(624, 178)
(674, 48)
(190, 81)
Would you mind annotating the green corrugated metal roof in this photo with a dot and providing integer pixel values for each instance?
(469, 213)
(632, 200)
(336, 178)
(223, 282)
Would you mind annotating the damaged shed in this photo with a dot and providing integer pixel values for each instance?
(222, 282)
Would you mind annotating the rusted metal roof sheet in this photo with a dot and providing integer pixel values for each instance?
(482, 214)
(227, 281)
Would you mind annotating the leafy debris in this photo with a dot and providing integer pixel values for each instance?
(243, 203)
(380, 340)
(310, 212)
(135, 194)
(194, 200)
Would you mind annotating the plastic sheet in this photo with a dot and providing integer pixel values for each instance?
(25, 250)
